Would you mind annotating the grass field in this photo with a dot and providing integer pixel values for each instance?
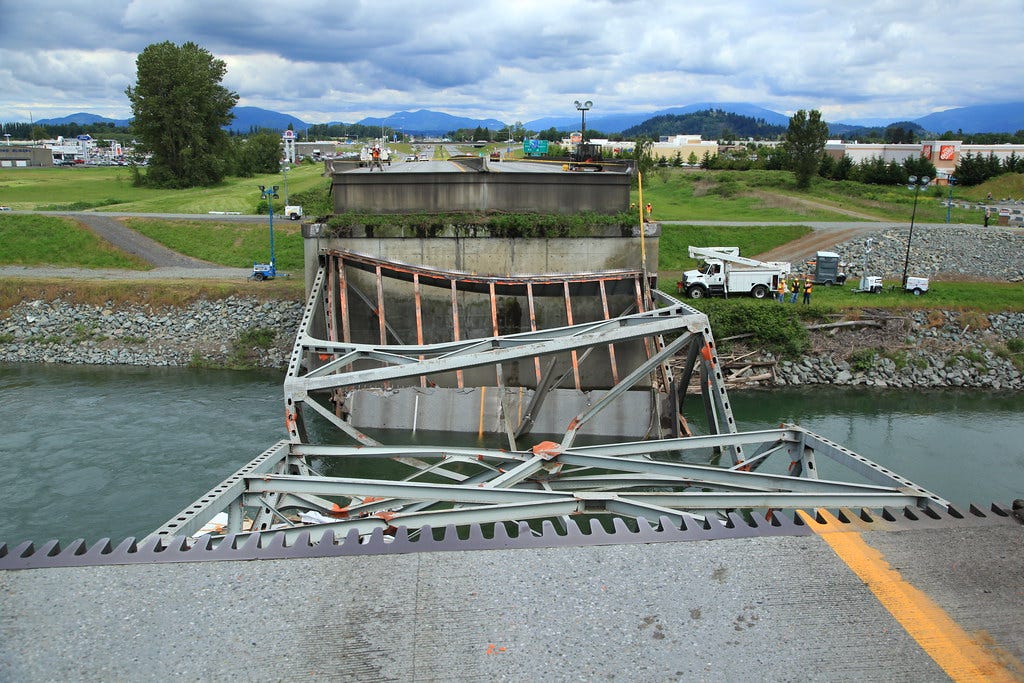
(62, 242)
(155, 293)
(771, 196)
(989, 297)
(110, 188)
(229, 244)
(727, 195)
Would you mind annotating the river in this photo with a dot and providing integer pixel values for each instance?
(111, 451)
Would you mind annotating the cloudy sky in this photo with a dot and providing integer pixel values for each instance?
(519, 60)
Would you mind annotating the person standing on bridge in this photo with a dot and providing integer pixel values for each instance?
(376, 159)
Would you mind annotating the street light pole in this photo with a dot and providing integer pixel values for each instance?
(583, 107)
(270, 194)
(915, 184)
(949, 204)
(284, 172)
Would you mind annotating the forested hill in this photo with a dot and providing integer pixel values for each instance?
(710, 124)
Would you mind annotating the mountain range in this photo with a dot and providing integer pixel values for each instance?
(989, 118)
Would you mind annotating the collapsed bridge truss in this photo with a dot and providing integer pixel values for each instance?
(352, 363)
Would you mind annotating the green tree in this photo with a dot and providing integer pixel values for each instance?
(642, 155)
(805, 144)
(258, 153)
(180, 107)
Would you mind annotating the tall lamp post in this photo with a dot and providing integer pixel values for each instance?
(949, 204)
(284, 171)
(270, 194)
(583, 107)
(916, 184)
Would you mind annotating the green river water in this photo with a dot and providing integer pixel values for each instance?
(92, 452)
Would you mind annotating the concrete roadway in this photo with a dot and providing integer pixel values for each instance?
(922, 604)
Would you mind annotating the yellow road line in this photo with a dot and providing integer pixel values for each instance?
(959, 654)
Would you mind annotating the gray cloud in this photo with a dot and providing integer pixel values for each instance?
(517, 61)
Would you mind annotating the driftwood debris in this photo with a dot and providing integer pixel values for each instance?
(739, 371)
(846, 323)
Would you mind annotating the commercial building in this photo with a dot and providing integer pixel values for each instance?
(24, 156)
(944, 154)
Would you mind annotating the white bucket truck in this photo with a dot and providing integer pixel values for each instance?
(726, 273)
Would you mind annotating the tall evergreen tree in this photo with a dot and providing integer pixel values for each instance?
(180, 107)
(805, 144)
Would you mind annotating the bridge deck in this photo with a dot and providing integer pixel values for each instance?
(794, 607)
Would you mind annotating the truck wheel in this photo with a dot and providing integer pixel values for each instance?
(294, 216)
(258, 276)
(696, 292)
(828, 283)
(876, 290)
(917, 291)
(759, 292)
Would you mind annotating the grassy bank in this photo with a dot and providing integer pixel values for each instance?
(50, 240)
(772, 196)
(228, 244)
(988, 297)
(155, 293)
(110, 188)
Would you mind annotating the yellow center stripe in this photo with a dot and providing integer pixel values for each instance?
(960, 655)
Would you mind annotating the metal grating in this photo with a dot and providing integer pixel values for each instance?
(272, 545)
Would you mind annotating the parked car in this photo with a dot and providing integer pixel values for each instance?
(5, 208)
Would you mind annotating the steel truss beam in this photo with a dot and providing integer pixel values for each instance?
(657, 480)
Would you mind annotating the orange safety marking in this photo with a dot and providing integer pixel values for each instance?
(386, 515)
(547, 449)
(961, 656)
(371, 499)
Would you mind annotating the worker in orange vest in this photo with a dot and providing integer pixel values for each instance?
(781, 291)
(808, 286)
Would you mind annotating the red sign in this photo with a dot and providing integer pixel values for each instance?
(926, 151)
(947, 152)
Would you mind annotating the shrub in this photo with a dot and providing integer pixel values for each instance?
(861, 360)
(508, 225)
(777, 328)
(975, 320)
(257, 337)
